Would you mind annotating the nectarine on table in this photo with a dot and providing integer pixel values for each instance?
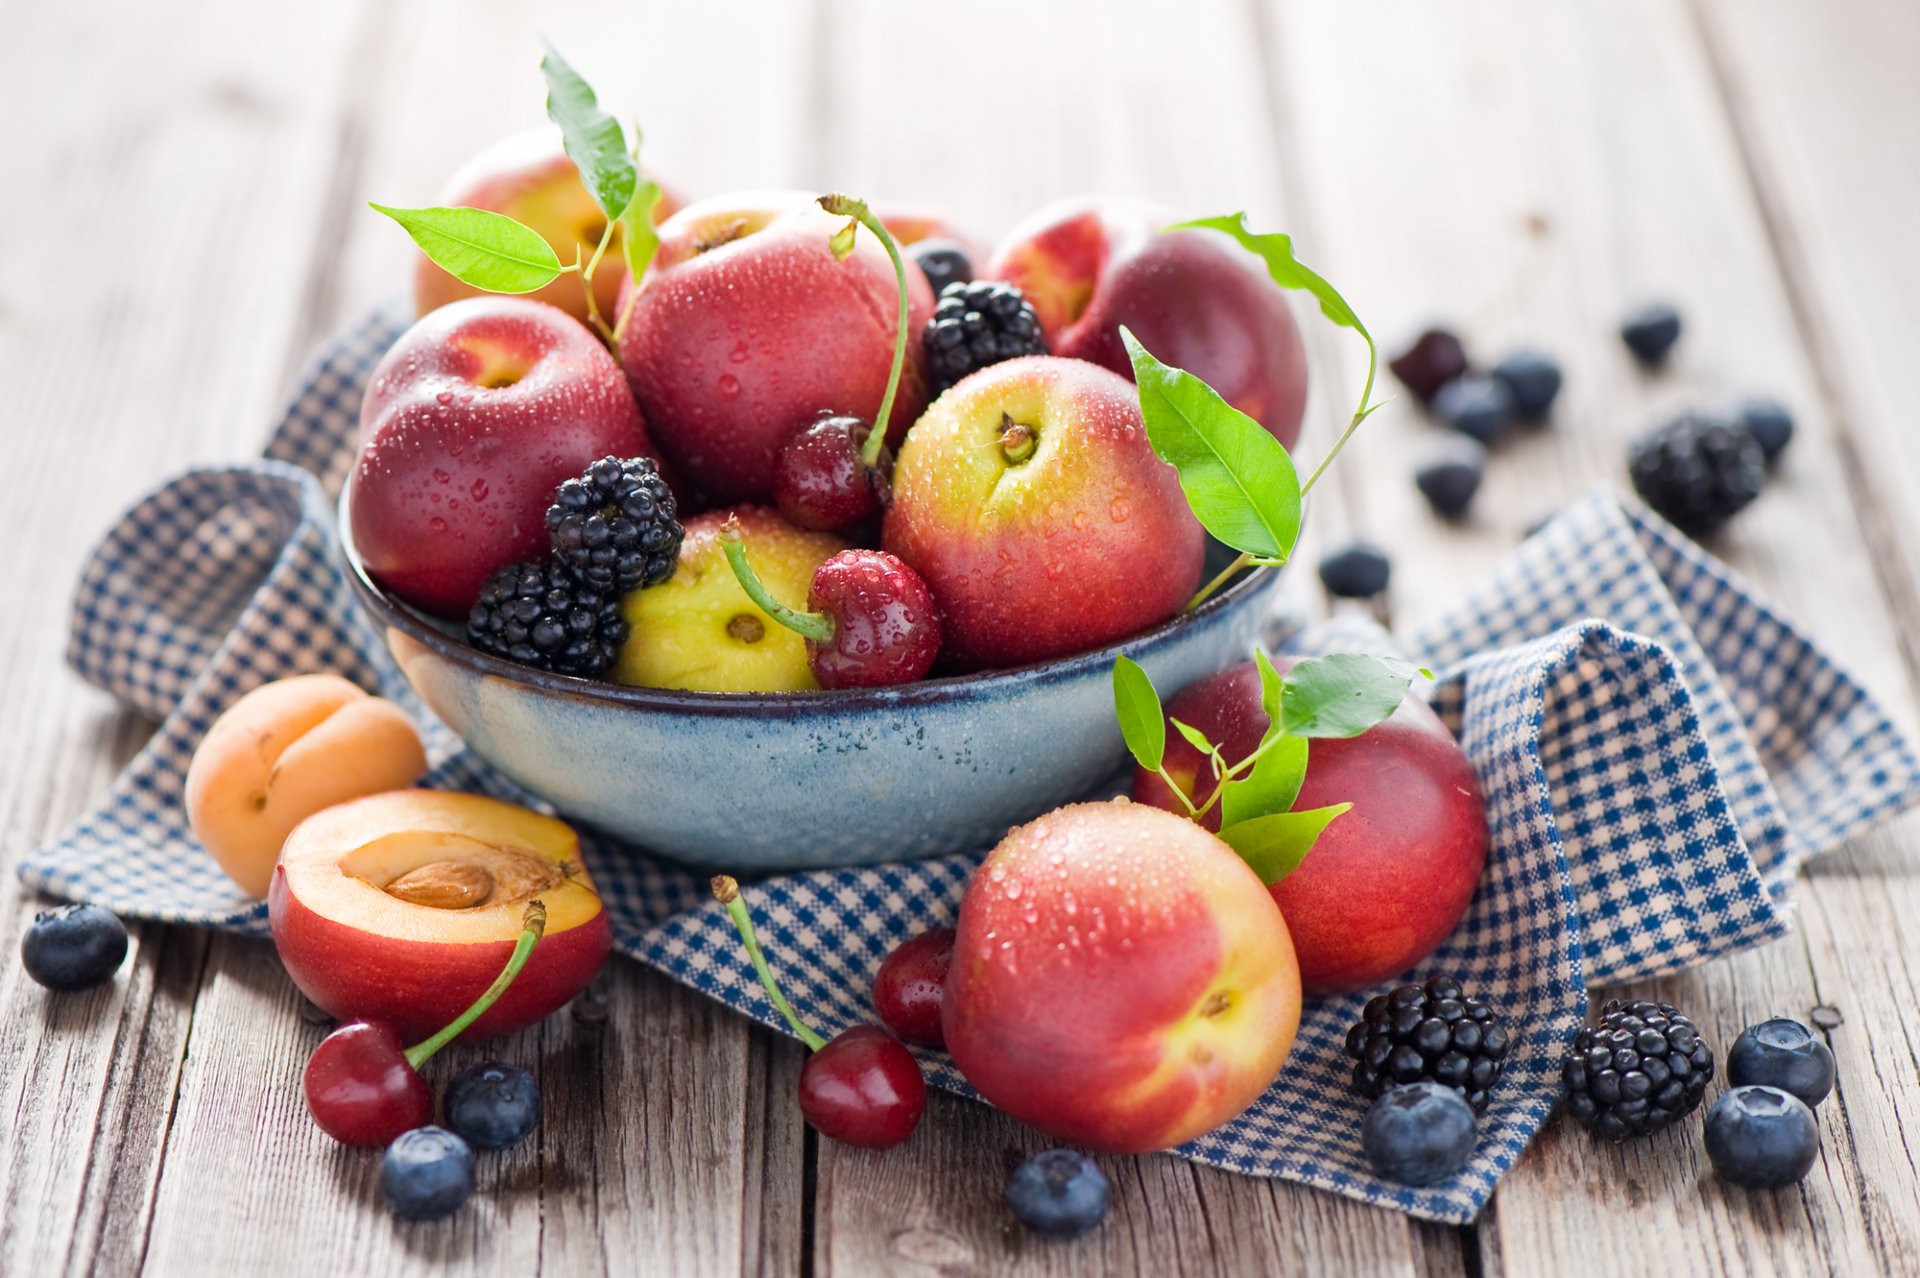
(283, 752)
(1386, 882)
(401, 908)
(1120, 979)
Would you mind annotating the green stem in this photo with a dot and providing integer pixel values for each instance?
(532, 927)
(727, 892)
(586, 282)
(1220, 579)
(1179, 793)
(848, 206)
(1360, 414)
(817, 626)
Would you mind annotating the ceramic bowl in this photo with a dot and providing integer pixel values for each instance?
(752, 782)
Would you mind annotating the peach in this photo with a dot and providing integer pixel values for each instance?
(1120, 979)
(528, 177)
(403, 908)
(1031, 502)
(1387, 882)
(285, 751)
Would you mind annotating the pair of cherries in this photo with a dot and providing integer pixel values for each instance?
(870, 620)
(364, 1088)
(861, 1087)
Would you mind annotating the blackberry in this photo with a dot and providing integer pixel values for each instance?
(1650, 333)
(1642, 1068)
(943, 262)
(1697, 471)
(540, 614)
(1431, 1031)
(1429, 362)
(978, 324)
(615, 526)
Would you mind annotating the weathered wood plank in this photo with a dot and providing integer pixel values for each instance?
(1604, 127)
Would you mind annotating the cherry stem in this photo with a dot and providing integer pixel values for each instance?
(817, 626)
(532, 927)
(848, 206)
(726, 890)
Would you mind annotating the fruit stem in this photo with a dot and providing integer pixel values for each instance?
(848, 206)
(586, 282)
(1360, 414)
(1221, 579)
(726, 890)
(817, 626)
(532, 926)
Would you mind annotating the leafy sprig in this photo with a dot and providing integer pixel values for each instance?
(1338, 696)
(496, 253)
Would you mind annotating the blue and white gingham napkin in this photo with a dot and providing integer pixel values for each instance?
(1660, 753)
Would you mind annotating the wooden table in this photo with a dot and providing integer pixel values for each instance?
(185, 219)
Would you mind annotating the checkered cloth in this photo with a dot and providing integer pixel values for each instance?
(1660, 752)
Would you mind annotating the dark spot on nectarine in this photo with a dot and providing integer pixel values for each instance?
(747, 628)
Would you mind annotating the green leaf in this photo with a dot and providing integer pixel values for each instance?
(1237, 477)
(1288, 271)
(1270, 686)
(840, 243)
(1137, 706)
(487, 250)
(1195, 738)
(639, 241)
(1342, 695)
(1270, 786)
(1276, 845)
(593, 138)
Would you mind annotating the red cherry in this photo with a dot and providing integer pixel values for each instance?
(360, 1087)
(910, 984)
(863, 1088)
(886, 629)
(821, 480)
(364, 1088)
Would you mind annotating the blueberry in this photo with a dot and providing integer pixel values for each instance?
(426, 1174)
(493, 1104)
(1532, 379)
(1058, 1193)
(1418, 1133)
(1785, 1054)
(943, 262)
(1761, 1137)
(1450, 473)
(1770, 424)
(1356, 571)
(1650, 332)
(1477, 406)
(1429, 362)
(74, 946)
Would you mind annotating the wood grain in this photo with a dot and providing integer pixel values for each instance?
(1524, 169)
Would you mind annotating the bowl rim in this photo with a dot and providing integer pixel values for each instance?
(1248, 585)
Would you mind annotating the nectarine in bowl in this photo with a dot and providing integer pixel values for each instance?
(753, 782)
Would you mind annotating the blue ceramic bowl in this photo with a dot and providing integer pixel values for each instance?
(787, 781)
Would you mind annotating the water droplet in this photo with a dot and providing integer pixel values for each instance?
(438, 524)
(1119, 509)
(728, 385)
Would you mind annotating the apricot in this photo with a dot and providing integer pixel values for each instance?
(285, 751)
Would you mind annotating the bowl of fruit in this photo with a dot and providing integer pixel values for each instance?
(771, 558)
